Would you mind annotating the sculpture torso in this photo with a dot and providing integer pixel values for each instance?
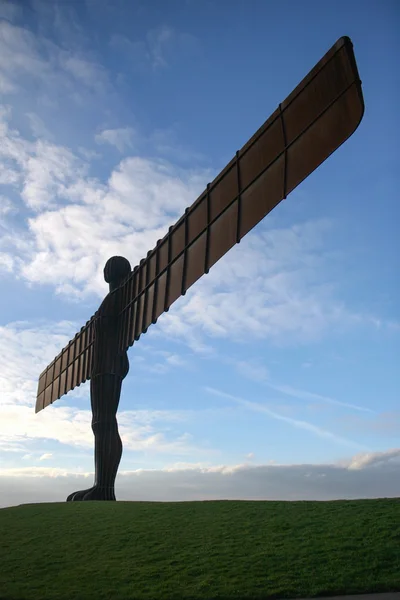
(106, 358)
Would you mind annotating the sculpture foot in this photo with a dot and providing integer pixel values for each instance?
(76, 496)
(100, 493)
(93, 493)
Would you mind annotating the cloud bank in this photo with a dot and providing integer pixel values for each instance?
(364, 476)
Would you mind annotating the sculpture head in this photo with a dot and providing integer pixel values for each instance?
(115, 270)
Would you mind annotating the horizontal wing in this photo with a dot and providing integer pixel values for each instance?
(313, 121)
(69, 369)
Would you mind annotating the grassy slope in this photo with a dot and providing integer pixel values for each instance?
(199, 550)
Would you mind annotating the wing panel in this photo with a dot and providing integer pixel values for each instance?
(318, 93)
(175, 286)
(63, 383)
(82, 362)
(69, 369)
(161, 290)
(55, 390)
(223, 192)
(140, 302)
(148, 314)
(47, 395)
(163, 254)
(77, 358)
(42, 383)
(263, 152)
(196, 260)
(197, 219)
(223, 234)
(64, 359)
(39, 402)
(321, 139)
(70, 373)
(262, 196)
(57, 366)
(133, 308)
(89, 363)
(49, 374)
(178, 240)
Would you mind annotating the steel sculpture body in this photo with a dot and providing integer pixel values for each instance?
(314, 120)
(109, 368)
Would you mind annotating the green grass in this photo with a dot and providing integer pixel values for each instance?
(199, 550)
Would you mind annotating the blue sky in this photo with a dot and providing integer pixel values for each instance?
(275, 376)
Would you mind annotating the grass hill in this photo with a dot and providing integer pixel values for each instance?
(199, 550)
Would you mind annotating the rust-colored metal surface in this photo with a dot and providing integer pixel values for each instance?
(314, 120)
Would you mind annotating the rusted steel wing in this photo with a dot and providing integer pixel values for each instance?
(315, 119)
(69, 369)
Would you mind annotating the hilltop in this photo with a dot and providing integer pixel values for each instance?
(199, 550)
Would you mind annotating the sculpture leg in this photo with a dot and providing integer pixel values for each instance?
(105, 392)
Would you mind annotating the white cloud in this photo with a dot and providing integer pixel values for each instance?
(175, 360)
(46, 456)
(49, 169)
(256, 371)
(21, 427)
(300, 424)
(201, 481)
(38, 127)
(159, 48)
(68, 245)
(6, 262)
(42, 171)
(127, 216)
(25, 350)
(84, 71)
(6, 207)
(304, 395)
(158, 40)
(251, 369)
(158, 362)
(120, 138)
(374, 459)
(274, 285)
(141, 431)
(19, 54)
(89, 154)
(271, 286)
(167, 142)
(57, 73)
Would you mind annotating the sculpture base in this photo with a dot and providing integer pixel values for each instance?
(94, 493)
